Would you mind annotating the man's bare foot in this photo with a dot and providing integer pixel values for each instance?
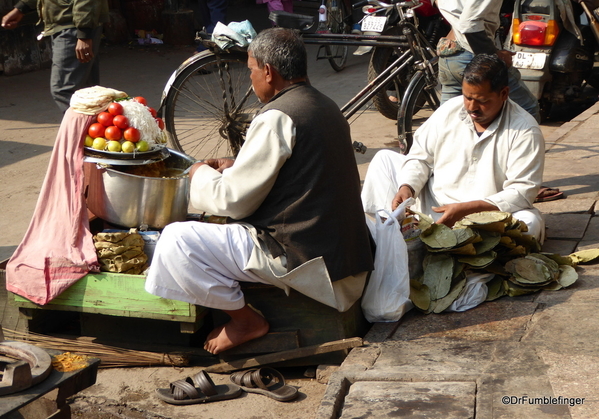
(245, 325)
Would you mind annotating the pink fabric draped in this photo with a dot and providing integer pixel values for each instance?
(57, 249)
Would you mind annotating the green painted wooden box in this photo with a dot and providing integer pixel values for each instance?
(120, 295)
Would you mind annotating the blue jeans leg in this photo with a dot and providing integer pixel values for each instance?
(451, 70)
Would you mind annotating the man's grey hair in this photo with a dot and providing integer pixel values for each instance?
(283, 49)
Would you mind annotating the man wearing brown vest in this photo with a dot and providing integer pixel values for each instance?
(292, 196)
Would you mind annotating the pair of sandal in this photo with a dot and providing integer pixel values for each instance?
(201, 389)
(549, 194)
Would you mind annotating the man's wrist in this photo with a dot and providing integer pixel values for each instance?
(409, 187)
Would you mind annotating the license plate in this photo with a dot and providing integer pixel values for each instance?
(374, 24)
(529, 60)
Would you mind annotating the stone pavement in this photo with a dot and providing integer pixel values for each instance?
(534, 356)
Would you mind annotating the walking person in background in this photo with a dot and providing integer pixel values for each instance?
(75, 28)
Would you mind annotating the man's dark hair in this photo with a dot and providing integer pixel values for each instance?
(283, 49)
(487, 67)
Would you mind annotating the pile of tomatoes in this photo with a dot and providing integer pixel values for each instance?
(112, 125)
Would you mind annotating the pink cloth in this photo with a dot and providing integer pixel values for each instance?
(57, 249)
(285, 5)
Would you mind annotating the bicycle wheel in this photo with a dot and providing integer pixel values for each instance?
(423, 97)
(336, 22)
(210, 105)
(387, 100)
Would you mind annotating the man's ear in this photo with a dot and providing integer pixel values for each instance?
(504, 93)
(268, 73)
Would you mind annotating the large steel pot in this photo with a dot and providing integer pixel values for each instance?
(130, 200)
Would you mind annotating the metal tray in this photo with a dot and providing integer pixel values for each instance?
(159, 152)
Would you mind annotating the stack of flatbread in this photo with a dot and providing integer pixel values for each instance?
(93, 100)
(121, 251)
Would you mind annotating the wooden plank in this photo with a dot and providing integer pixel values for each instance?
(271, 342)
(285, 355)
(116, 295)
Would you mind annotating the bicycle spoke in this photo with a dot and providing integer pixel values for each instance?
(210, 105)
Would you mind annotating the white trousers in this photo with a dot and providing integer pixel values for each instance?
(201, 263)
(383, 180)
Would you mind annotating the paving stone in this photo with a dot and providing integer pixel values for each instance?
(560, 247)
(586, 288)
(507, 396)
(568, 205)
(593, 229)
(588, 244)
(448, 400)
(565, 327)
(434, 357)
(566, 226)
(502, 319)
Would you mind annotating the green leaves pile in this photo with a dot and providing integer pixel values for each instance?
(487, 242)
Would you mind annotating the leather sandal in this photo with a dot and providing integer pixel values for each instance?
(266, 381)
(199, 389)
(548, 194)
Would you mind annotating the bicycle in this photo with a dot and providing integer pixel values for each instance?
(208, 102)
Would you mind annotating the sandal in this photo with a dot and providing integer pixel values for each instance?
(266, 381)
(548, 194)
(199, 389)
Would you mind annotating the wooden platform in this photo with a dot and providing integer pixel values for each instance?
(116, 307)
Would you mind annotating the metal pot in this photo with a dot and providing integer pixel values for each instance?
(130, 200)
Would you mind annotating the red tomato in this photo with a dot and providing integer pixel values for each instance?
(152, 111)
(115, 108)
(132, 134)
(160, 123)
(105, 118)
(113, 133)
(121, 121)
(96, 130)
(141, 99)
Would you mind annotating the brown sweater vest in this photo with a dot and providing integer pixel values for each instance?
(314, 208)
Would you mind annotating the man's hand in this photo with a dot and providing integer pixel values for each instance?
(506, 56)
(404, 193)
(455, 212)
(219, 164)
(84, 50)
(12, 19)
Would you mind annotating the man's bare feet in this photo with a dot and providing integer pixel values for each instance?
(245, 325)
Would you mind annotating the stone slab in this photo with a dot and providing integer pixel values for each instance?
(503, 396)
(568, 205)
(448, 400)
(565, 327)
(586, 288)
(502, 319)
(566, 226)
(561, 247)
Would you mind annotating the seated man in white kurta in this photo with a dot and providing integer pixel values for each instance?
(294, 195)
(477, 152)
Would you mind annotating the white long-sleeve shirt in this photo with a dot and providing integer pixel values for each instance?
(469, 16)
(450, 163)
(240, 189)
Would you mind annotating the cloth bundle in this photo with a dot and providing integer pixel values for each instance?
(121, 251)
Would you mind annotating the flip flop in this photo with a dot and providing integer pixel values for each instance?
(548, 194)
(199, 389)
(266, 381)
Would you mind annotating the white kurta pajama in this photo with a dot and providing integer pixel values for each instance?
(201, 263)
(450, 163)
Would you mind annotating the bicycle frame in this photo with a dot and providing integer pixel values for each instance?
(413, 52)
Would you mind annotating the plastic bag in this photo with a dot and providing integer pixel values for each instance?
(474, 293)
(387, 295)
(235, 33)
